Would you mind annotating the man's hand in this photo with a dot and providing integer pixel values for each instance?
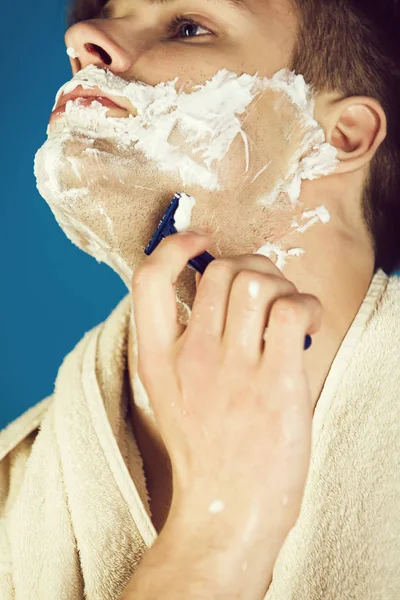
(235, 411)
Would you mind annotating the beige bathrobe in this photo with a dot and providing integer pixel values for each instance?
(75, 519)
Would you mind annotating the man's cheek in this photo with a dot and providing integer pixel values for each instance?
(108, 193)
(262, 155)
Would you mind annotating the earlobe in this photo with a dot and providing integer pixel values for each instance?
(358, 129)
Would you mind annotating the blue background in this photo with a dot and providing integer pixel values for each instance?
(51, 292)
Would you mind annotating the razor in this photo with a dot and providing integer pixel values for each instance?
(167, 227)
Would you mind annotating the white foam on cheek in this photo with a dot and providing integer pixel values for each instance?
(76, 166)
(261, 171)
(208, 118)
(314, 158)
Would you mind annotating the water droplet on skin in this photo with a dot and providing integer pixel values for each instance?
(285, 500)
(217, 506)
(244, 566)
(254, 289)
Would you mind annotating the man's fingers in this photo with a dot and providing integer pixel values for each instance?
(153, 292)
(213, 309)
(290, 319)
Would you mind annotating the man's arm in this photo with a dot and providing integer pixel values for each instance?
(197, 559)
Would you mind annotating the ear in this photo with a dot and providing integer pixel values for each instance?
(356, 126)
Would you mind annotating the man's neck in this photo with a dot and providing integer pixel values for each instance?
(338, 269)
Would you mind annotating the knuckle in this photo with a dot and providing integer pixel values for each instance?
(289, 309)
(314, 305)
(142, 273)
(270, 283)
(137, 277)
(316, 302)
(278, 285)
(189, 360)
(246, 276)
(220, 267)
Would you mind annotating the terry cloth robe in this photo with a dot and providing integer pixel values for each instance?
(75, 517)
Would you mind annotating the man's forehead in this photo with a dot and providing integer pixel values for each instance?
(242, 5)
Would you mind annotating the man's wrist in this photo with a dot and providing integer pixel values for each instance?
(199, 556)
(228, 542)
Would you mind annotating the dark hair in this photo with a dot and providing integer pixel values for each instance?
(351, 46)
(348, 46)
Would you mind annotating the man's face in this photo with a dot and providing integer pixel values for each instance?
(109, 194)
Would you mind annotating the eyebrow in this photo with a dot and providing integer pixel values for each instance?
(235, 3)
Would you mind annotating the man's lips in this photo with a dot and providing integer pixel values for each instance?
(86, 97)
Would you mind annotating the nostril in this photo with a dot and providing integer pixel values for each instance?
(106, 58)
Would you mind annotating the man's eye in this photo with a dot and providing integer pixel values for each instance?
(188, 25)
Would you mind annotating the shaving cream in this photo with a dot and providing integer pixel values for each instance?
(207, 123)
(208, 118)
(183, 213)
(319, 214)
(72, 53)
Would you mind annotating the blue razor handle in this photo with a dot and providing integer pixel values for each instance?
(167, 227)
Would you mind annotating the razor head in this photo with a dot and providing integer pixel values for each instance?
(167, 227)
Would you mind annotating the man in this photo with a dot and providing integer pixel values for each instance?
(84, 497)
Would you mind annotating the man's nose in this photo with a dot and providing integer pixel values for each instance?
(95, 46)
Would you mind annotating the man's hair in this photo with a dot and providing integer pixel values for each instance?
(350, 47)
